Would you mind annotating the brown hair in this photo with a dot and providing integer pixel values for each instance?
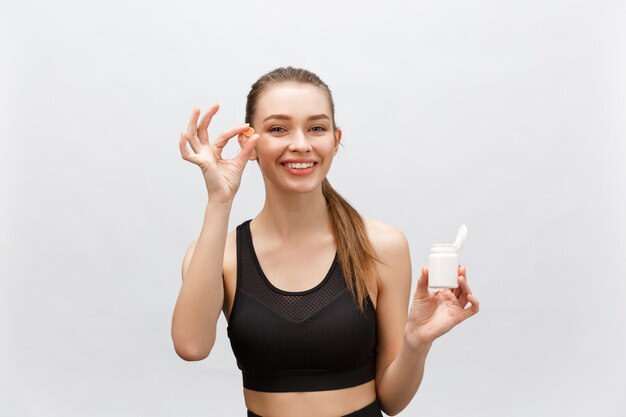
(355, 251)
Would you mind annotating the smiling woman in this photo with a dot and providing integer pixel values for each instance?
(315, 296)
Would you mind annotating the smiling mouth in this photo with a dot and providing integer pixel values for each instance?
(299, 165)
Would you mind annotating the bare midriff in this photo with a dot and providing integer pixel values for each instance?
(311, 403)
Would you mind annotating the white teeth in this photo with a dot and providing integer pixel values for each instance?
(300, 165)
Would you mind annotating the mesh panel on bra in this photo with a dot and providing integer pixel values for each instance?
(295, 306)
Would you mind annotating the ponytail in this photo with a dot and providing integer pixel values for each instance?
(355, 251)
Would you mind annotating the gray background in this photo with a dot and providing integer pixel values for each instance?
(504, 115)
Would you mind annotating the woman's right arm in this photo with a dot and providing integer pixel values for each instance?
(202, 292)
(201, 296)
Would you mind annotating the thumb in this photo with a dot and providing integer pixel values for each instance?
(422, 284)
(247, 147)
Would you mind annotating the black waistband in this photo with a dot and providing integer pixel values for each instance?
(371, 410)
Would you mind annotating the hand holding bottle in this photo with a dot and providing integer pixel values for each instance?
(433, 314)
(222, 176)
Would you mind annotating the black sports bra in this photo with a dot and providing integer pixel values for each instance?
(311, 340)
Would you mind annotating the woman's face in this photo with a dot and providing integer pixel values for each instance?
(297, 142)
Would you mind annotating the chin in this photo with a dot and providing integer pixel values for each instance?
(302, 188)
(299, 187)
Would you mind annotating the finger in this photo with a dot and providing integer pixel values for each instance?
(192, 136)
(182, 145)
(193, 121)
(422, 284)
(184, 151)
(464, 285)
(465, 291)
(202, 130)
(247, 146)
(458, 291)
(227, 135)
(243, 137)
(463, 300)
(475, 307)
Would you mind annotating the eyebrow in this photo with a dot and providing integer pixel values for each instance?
(286, 117)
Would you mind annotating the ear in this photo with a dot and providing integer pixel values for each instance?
(338, 134)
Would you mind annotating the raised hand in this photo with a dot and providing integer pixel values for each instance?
(222, 176)
(433, 314)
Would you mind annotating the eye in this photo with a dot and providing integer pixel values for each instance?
(318, 128)
(276, 129)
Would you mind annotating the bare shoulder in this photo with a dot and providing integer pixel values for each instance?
(387, 240)
(392, 249)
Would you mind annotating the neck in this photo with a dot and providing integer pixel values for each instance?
(292, 217)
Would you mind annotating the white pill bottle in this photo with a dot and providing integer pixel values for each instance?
(443, 262)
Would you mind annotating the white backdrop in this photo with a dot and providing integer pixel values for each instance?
(504, 115)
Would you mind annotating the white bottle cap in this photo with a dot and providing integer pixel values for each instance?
(461, 235)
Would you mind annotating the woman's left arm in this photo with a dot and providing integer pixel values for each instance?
(404, 340)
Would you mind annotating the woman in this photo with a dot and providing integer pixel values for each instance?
(315, 296)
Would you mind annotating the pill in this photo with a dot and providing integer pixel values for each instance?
(249, 132)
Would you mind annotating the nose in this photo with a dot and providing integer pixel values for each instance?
(299, 142)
